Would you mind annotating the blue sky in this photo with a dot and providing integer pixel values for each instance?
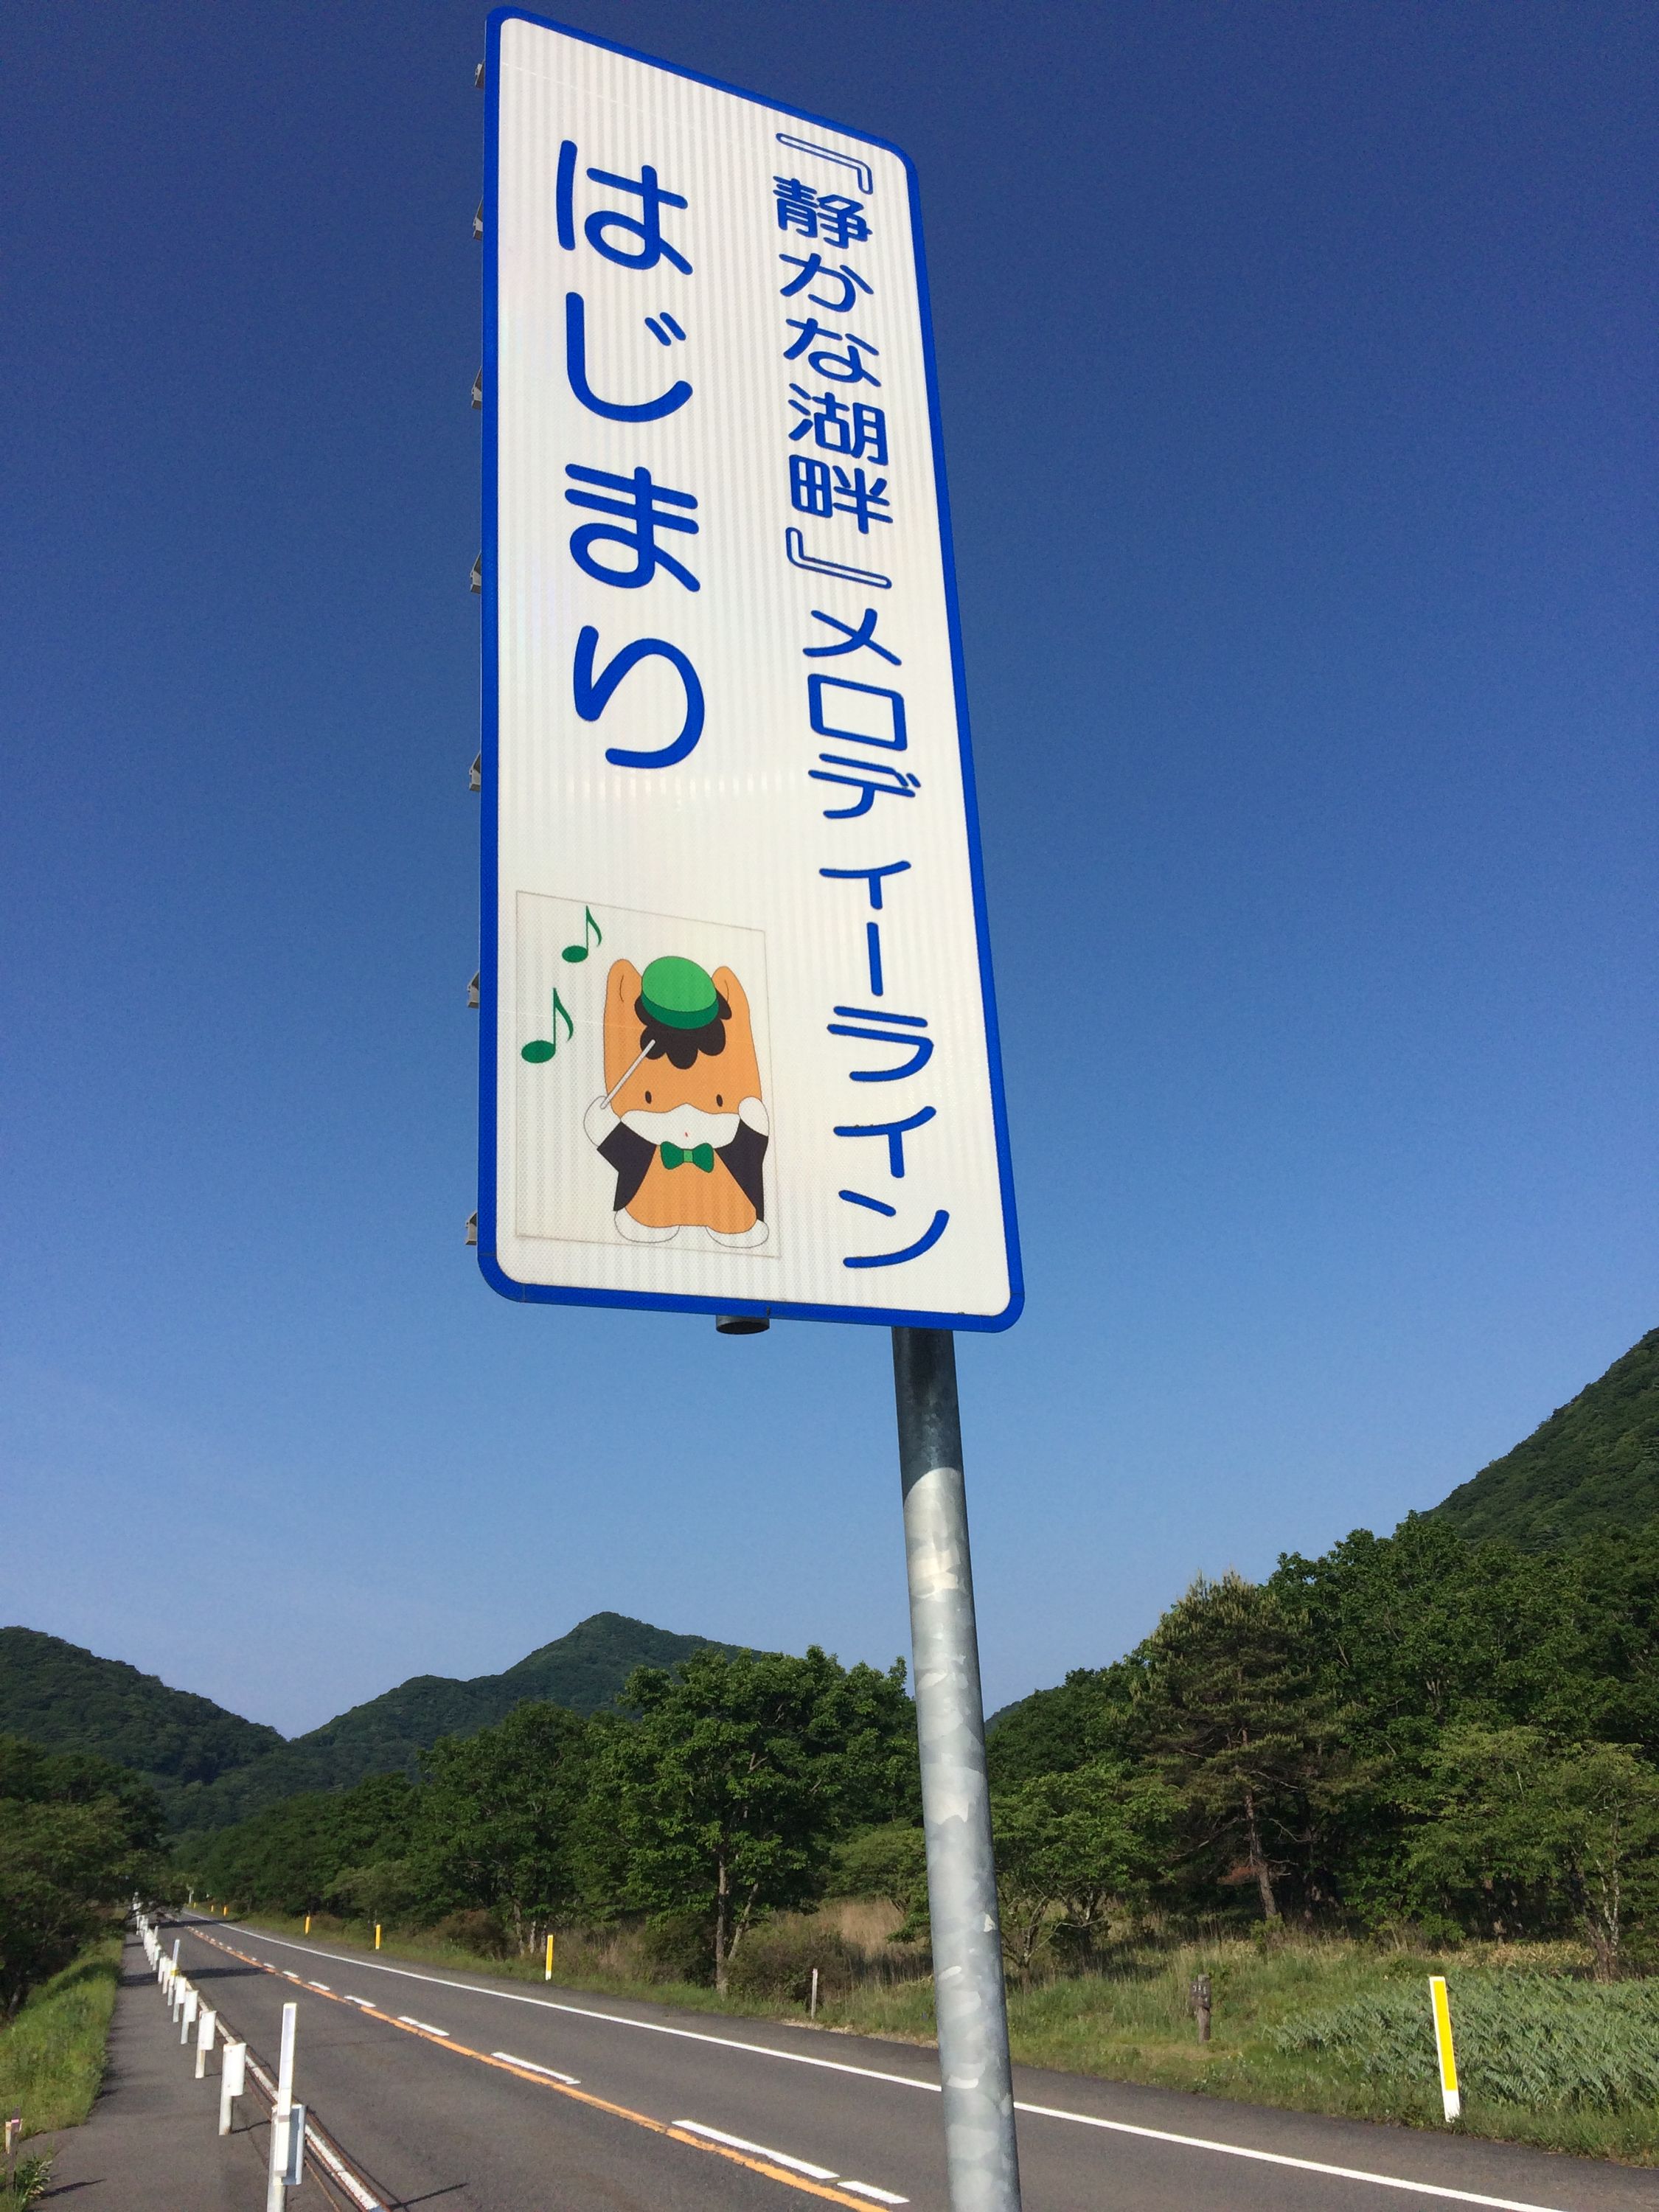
(1296, 366)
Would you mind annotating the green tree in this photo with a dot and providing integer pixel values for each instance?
(1072, 1847)
(1089, 1715)
(1232, 1721)
(1523, 1835)
(293, 1856)
(1423, 1630)
(389, 1889)
(498, 1823)
(77, 1836)
(728, 1788)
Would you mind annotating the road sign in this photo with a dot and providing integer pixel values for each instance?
(738, 1049)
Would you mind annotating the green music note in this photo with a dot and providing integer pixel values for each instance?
(540, 1048)
(590, 928)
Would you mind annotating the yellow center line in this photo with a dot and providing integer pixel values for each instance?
(560, 2089)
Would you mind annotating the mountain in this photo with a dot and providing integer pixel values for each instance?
(68, 1699)
(211, 1767)
(1592, 1465)
(583, 1670)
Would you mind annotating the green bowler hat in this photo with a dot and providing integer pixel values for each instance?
(679, 993)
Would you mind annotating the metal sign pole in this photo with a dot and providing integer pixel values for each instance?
(982, 2161)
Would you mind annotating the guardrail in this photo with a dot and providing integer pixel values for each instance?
(295, 2132)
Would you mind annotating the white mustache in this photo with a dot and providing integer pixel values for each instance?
(682, 1125)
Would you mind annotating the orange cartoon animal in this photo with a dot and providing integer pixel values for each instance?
(682, 1120)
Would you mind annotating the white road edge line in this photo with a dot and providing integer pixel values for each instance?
(909, 2081)
(531, 2067)
(1281, 2158)
(761, 2150)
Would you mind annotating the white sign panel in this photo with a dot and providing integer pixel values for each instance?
(739, 1049)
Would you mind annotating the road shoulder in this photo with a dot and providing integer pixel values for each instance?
(151, 2143)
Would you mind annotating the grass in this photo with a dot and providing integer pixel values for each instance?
(52, 2056)
(31, 2177)
(1319, 2025)
(1530, 2041)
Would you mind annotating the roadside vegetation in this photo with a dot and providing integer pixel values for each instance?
(1414, 1749)
(52, 2052)
(1317, 2024)
(77, 1836)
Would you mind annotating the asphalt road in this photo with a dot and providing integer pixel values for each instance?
(480, 2096)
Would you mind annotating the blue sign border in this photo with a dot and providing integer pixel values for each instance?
(668, 1302)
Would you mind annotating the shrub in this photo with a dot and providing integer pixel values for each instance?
(678, 1946)
(475, 1929)
(776, 1960)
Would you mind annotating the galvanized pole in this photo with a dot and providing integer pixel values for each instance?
(982, 2163)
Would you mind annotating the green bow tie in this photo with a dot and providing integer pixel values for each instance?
(700, 1155)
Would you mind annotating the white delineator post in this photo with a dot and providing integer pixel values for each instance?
(981, 2159)
(233, 2081)
(1451, 2096)
(282, 2113)
(205, 2033)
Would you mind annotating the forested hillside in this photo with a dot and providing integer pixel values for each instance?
(1410, 1732)
(1393, 1639)
(714, 1798)
(1414, 1731)
(582, 1671)
(210, 1768)
(67, 1699)
(1594, 1464)
(1413, 1728)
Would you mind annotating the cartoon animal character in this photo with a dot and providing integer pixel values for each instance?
(682, 1120)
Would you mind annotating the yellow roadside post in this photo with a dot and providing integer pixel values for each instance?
(307, 1924)
(547, 1975)
(377, 1934)
(1450, 2095)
